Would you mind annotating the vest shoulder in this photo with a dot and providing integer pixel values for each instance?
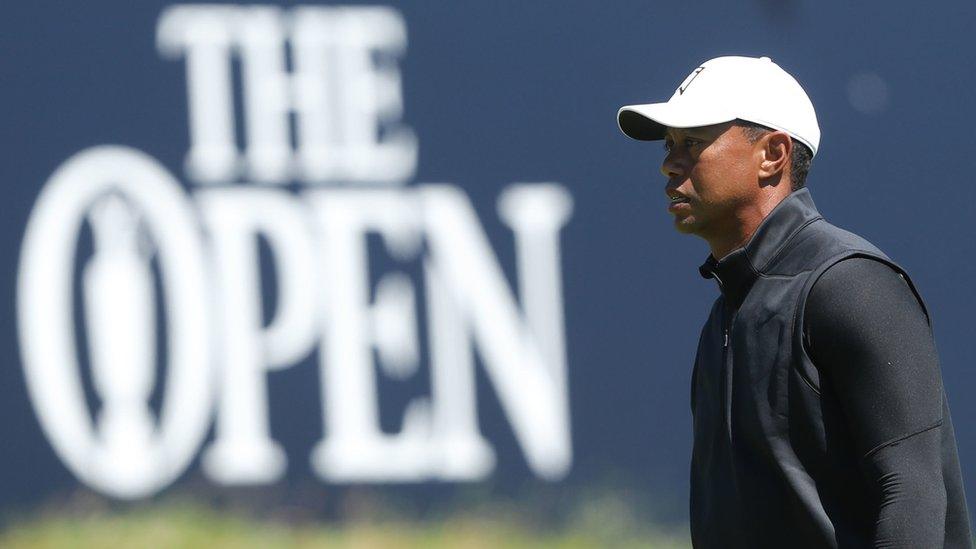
(819, 242)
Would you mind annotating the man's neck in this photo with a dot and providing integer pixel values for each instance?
(742, 227)
(720, 250)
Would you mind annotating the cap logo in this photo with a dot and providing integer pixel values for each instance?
(684, 85)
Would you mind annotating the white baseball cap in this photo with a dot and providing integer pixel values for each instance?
(723, 89)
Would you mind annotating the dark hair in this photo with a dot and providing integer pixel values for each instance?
(799, 161)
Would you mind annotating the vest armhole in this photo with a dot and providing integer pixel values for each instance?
(803, 362)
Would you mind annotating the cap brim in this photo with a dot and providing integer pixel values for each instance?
(650, 121)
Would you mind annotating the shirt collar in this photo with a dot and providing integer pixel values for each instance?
(737, 271)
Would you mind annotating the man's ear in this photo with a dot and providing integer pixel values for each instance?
(775, 155)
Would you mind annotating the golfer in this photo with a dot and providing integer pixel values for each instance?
(820, 419)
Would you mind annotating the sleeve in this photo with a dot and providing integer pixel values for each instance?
(869, 336)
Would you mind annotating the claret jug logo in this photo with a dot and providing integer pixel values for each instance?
(171, 281)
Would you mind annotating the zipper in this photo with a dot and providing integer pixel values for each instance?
(728, 318)
(725, 314)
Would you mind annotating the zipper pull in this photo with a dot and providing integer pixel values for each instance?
(726, 343)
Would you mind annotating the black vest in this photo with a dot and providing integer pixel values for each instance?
(773, 464)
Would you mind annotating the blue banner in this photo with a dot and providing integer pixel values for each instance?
(406, 245)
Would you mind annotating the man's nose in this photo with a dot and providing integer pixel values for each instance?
(670, 167)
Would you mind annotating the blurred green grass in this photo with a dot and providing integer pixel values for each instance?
(191, 525)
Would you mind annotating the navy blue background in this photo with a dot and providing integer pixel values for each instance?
(508, 91)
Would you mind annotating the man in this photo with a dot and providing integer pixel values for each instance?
(820, 419)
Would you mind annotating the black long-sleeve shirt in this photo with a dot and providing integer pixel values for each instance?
(869, 337)
(817, 404)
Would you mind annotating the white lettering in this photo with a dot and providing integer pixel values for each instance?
(332, 73)
(205, 33)
(243, 452)
(355, 448)
(124, 189)
(530, 385)
(344, 91)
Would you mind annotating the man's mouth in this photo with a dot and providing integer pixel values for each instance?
(678, 199)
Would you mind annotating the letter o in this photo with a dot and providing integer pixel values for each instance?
(47, 332)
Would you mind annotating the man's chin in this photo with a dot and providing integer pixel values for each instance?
(686, 225)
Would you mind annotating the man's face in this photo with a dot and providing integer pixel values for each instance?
(712, 177)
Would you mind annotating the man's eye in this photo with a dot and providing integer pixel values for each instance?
(687, 143)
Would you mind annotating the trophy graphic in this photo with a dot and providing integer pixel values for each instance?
(119, 314)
